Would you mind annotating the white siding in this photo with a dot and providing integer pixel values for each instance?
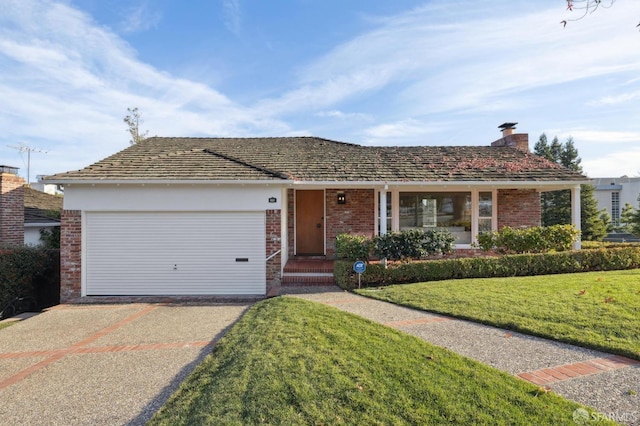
(174, 253)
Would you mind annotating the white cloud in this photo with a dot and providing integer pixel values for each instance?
(615, 164)
(603, 137)
(140, 18)
(343, 115)
(66, 84)
(232, 15)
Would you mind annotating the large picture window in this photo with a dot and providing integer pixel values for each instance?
(437, 210)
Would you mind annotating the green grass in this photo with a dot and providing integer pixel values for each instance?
(7, 324)
(599, 310)
(290, 361)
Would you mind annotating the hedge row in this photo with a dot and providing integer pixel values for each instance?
(30, 272)
(489, 267)
(404, 245)
(536, 239)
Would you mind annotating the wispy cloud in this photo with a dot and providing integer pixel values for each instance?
(140, 18)
(66, 84)
(232, 15)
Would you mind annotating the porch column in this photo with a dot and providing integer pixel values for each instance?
(575, 213)
(383, 211)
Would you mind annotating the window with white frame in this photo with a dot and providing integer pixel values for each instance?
(437, 210)
(485, 212)
(389, 210)
(615, 208)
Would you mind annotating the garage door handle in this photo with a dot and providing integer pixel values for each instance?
(242, 259)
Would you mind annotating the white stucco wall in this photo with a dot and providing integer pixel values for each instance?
(629, 189)
(196, 197)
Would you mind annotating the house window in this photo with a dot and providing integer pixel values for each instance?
(485, 212)
(389, 221)
(439, 211)
(615, 208)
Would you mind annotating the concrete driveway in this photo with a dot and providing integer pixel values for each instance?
(104, 364)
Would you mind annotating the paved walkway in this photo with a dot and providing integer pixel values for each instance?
(104, 364)
(608, 383)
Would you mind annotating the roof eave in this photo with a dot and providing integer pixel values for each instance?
(167, 182)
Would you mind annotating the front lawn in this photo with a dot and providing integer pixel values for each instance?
(291, 361)
(599, 310)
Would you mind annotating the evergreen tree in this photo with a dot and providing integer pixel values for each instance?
(630, 219)
(556, 205)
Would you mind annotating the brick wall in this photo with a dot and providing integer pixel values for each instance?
(274, 243)
(518, 208)
(70, 255)
(11, 209)
(357, 216)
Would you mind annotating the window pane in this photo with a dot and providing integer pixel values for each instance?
(388, 212)
(437, 210)
(484, 225)
(486, 204)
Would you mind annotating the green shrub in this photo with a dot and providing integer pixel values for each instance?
(353, 247)
(437, 242)
(488, 267)
(31, 272)
(537, 239)
(412, 244)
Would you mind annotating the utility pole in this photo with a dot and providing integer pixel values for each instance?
(28, 150)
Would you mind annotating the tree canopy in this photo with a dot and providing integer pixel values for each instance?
(556, 205)
(134, 121)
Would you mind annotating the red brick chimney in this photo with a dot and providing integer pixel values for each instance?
(516, 140)
(11, 207)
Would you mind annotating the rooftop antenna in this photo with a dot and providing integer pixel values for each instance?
(23, 148)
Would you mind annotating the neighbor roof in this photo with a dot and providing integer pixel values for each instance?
(315, 159)
(40, 207)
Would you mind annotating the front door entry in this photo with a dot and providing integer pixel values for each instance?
(310, 222)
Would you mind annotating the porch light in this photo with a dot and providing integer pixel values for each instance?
(342, 198)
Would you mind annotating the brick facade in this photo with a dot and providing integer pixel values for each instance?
(11, 210)
(274, 243)
(519, 208)
(70, 255)
(356, 216)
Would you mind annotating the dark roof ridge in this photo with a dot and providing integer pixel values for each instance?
(244, 163)
(317, 138)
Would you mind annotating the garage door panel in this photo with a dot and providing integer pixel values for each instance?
(175, 253)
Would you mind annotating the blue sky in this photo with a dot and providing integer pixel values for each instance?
(372, 72)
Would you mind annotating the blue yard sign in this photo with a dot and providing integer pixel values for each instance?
(359, 266)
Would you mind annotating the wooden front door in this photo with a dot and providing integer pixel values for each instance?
(310, 222)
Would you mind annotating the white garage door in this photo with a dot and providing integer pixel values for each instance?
(175, 253)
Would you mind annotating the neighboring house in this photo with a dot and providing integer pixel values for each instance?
(41, 212)
(223, 216)
(613, 193)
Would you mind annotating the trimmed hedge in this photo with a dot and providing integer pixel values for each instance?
(30, 272)
(536, 239)
(404, 246)
(489, 267)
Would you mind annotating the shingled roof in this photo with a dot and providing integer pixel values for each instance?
(40, 207)
(310, 159)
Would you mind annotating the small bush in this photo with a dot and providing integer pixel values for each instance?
(489, 267)
(538, 239)
(353, 247)
(404, 246)
(412, 244)
(30, 272)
